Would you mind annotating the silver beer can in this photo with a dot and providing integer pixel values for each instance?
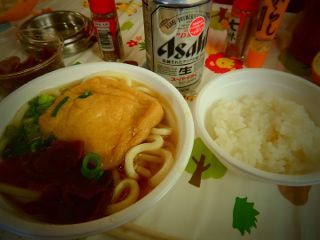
(175, 36)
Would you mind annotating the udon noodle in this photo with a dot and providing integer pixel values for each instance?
(140, 169)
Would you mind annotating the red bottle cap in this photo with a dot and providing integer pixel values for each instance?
(246, 5)
(102, 6)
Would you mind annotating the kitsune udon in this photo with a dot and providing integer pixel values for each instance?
(87, 150)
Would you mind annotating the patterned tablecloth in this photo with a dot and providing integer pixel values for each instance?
(209, 201)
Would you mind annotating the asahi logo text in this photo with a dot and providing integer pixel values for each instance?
(182, 50)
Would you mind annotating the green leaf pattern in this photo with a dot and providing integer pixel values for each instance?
(244, 215)
(126, 26)
(203, 164)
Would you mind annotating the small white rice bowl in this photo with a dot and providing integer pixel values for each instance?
(263, 123)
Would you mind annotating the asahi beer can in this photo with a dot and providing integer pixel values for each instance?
(175, 36)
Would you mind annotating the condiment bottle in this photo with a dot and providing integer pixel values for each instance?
(241, 24)
(106, 24)
(269, 19)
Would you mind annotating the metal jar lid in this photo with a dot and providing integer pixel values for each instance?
(73, 27)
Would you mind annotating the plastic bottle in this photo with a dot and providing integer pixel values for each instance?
(269, 19)
(241, 23)
(105, 21)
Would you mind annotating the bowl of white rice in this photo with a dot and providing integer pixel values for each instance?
(263, 123)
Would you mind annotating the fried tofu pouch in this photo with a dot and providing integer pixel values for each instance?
(110, 120)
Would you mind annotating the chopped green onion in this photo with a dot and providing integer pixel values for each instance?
(85, 94)
(35, 145)
(92, 167)
(31, 131)
(41, 143)
(58, 106)
(38, 105)
(11, 131)
(45, 100)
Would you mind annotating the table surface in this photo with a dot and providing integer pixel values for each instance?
(205, 210)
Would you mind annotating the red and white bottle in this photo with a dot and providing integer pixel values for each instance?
(106, 24)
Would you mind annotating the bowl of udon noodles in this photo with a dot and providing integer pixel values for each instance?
(87, 148)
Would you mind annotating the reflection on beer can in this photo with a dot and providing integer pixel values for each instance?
(176, 36)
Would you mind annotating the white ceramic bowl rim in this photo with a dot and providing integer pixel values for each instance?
(58, 78)
(229, 78)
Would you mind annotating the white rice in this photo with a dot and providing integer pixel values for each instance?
(268, 132)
